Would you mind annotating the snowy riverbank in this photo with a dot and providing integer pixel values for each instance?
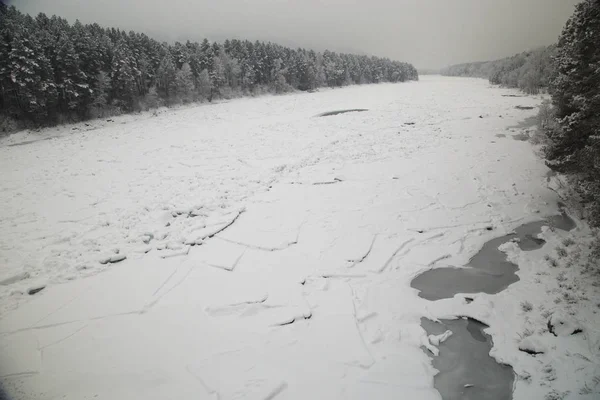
(269, 252)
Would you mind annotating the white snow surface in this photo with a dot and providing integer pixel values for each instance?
(249, 249)
(533, 345)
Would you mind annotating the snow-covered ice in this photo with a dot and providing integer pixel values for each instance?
(533, 345)
(248, 249)
(437, 339)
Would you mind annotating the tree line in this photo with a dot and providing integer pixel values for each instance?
(571, 122)
(52, 71)
(530, 71)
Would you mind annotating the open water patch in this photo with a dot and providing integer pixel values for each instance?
(330, 113)
(488, 271)
(466, 370)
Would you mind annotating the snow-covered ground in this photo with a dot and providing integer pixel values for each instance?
(249, 249)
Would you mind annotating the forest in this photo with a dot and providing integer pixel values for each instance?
(530, 71)
(54, 72)
(571, 122)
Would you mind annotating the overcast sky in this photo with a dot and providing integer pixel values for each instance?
(427, 33)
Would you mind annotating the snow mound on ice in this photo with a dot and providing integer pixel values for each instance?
(533, 345)
(561, 324)
(436, 340)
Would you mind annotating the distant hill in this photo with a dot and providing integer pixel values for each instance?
(529, 71)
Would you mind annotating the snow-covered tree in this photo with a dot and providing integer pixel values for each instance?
(184, 82)
(204, 86)
(217, 76)
(49, 67)
(100, 93)
(74, 92)
(122, 77)
(166, 76)
(575, 146)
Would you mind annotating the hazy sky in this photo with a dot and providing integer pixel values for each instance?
(427, 33)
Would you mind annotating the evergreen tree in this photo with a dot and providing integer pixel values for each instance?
(278, 77)
(122, 77)
(575, 147)
(204, 87)
(99, 98)
(217, 76)
(576, 89)
(74, 93)
(166, 76)
(27, 77)
(206, 56)
(184, 82)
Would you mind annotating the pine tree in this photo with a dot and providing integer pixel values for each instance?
(166, 76)
(27, 78)
(576, 89)
(575, 147)
(206, 56)
(99, 98)
(217, 76)
(184, 82)
(122, 77)
(204, 87)
(180, 55)
(193, 50)
(320, 76)
(74, 93)
(278, 77)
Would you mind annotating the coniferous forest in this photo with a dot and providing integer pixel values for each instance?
(571, 121)
(530, 71)
(53, 72)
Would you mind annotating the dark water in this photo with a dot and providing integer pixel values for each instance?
(467, 372)
(464, 361)
(329, 113)
(562, 221)
(488, 271)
